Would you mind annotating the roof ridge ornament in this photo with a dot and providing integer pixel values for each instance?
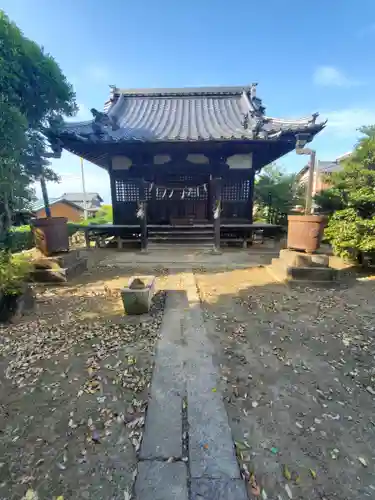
(253, 90)
(102, 121)
(245, 122)
(313, 118)
(113, 91)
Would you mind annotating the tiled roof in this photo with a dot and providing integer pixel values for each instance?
(194, 114)
(79, 197)
(326, 167)
(39, 204)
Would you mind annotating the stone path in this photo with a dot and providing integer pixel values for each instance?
(187, 451)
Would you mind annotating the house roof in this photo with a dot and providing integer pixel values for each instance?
(187, 114)
(326, 167)
(80, 197)
(39, 204)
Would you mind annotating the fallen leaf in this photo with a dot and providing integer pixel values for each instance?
(95, 436)
(253, 486)
(31, 495)
(286, 473)
(363, 461)
(313, 473)
(295, 477)
(288, 491)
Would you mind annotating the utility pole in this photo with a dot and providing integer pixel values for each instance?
(84, 190)
(43, 186)
(302, 139)
(310, 184)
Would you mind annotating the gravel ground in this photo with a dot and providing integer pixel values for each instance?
(74, 378)
(298, 376)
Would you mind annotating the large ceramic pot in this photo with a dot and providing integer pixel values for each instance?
(51, 234)
(305, 232)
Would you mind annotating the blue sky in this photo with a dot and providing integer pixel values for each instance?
(305, 56)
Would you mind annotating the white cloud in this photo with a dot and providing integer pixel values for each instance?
(346, 122)
(83, 113)
(329, 76)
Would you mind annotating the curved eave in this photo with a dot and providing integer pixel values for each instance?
(272, 135)
(99, 151)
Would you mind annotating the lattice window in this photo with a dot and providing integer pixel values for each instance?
(126, 191)
(236, 191)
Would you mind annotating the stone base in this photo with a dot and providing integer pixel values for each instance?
(298, 267)
(59, 268)
(138, 301)
(301, 259)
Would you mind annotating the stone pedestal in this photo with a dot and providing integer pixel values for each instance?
(137, 300)
(299, 267)
(59, 268)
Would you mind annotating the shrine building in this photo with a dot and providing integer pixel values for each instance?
(183, 159)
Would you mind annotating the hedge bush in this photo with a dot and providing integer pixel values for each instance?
(21, 238)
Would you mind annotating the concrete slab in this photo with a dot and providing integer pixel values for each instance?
(216, 489)
(163, 429)
(184, 366)
(161, 481)
(211, 449)
(175, 258)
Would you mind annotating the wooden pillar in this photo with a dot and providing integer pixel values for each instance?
(251, 195)
(251, 205)
(216, 211)
(142, 215)
(87, 237)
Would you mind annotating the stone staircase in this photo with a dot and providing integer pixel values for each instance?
(300, 268)
(181, 237)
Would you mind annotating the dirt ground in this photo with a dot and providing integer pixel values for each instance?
(298, 375)
(73, 391)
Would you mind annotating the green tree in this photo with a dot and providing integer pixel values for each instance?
(351, 229)
(276, 193)
(34, 94)
(103, 216)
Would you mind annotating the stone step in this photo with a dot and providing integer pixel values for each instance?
(293, 258)
(186, 246)
(59, 274)
(181, 239)
(181, 231)
(283, 272)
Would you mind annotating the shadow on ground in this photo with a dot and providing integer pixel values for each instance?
(298, 380)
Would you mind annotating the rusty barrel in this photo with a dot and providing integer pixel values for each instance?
(51, 234)
(305, 232)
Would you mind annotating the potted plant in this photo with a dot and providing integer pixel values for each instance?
(14, 271)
